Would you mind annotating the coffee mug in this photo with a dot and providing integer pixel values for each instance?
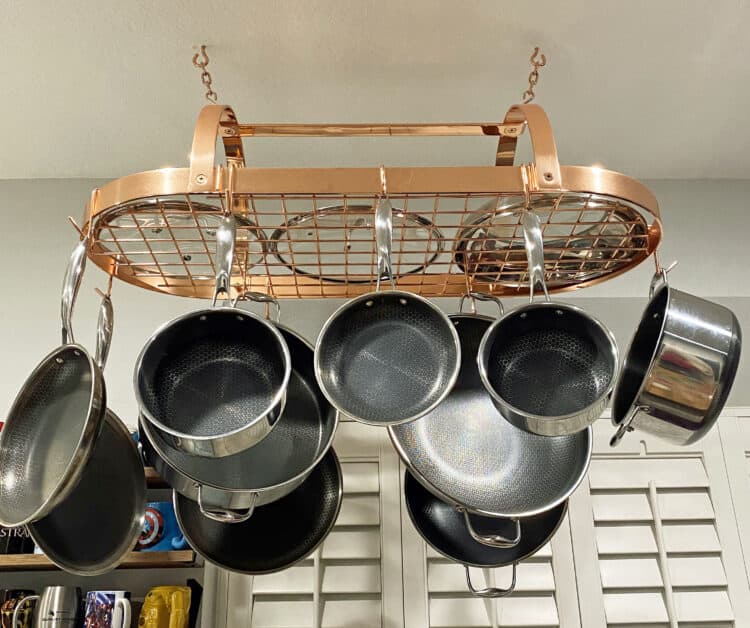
(161, 532)
(57, 607)
(9, 599)
(107, 609)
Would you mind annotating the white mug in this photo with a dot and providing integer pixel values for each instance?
(107, 608)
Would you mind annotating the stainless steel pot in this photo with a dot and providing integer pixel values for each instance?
(549, 367)
(679, 368)
(227, 489)
(213, 382)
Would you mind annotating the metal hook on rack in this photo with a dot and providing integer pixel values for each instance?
(529, 94)
(211, 95)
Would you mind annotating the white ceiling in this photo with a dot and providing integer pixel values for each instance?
(102, 89)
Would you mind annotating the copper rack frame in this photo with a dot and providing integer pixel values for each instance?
(449, 191)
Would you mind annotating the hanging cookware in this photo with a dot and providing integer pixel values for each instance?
(679, 367)
(229, 488)
(442, 527)
(278, 535)
(90, 531)
(549, 367)
(468, 455)
(334, 244)
(390, 356)
(213, 382)
(51, 428)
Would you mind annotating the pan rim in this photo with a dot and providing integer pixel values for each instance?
(91, 426)
(115, 558)
(542, 419)
(278, 397)
(324, 536)
(478, 565)
(450, 382)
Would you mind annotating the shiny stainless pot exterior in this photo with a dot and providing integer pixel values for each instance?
(685, 377)
(212, 497)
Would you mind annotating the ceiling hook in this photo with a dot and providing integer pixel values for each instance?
(540, 64)
(204, 61)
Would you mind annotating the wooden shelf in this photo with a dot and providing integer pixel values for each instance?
(154, 480)
(134, 560)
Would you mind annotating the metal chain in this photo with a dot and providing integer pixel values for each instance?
(529, 94)
(211, 95)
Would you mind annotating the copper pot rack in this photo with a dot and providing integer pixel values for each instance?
(308, 232)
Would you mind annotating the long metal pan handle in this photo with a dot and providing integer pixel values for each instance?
(104, 328)
(542, 141)
(226, 515)
(226, 234)
(384, 236)
(479, 296)
(20, 605)
(71, 285)
(492, 540)
(490, 591)
(532, 237)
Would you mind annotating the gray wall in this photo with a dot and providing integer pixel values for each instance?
(705, 223)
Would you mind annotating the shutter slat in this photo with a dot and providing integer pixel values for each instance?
(635, 608)
(361, 510)
(638, 472)
(343, 543)
(635, 573)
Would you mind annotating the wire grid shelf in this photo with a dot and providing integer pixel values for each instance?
(323, 245)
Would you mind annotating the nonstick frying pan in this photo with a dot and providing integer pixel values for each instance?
(51, 428)
(278, 535)
(442, 527)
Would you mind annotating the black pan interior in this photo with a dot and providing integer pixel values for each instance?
(443, 527)
(212, 372)
(93, 528)
(550, 360)
(640, 354)
(277, 535)
(387, 357)
(297, 439)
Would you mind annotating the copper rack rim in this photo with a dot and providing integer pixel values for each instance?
(382, 129)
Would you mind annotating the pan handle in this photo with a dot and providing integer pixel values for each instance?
(492, 540)
(479, 296)
(626, 425)
(532, 237)
(104, 328)
(490, 592)
(384, 235)
(226, 234)
(225, 515)
(71, 284)
(259, 297)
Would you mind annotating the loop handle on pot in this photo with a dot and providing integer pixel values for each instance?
(104, 329)
(259, 297)
(71, 285)
(384, 234)
(20, 605)
(225, 515)
(490, 592)
(479, 296)
(625, 425)
(226, 233)
(542, 141)
(214, 121)
(532, 236)
(492, 540)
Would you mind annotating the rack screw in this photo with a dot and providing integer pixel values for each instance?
(548, 176)
(201, 179)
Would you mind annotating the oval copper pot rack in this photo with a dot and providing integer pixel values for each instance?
(460, 225)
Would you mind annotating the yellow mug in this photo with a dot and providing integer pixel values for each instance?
(166, 607)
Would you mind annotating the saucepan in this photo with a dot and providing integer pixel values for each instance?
(679, 368)
(213, 383)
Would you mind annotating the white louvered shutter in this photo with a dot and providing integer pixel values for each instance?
(654, 536)
(354, 579)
